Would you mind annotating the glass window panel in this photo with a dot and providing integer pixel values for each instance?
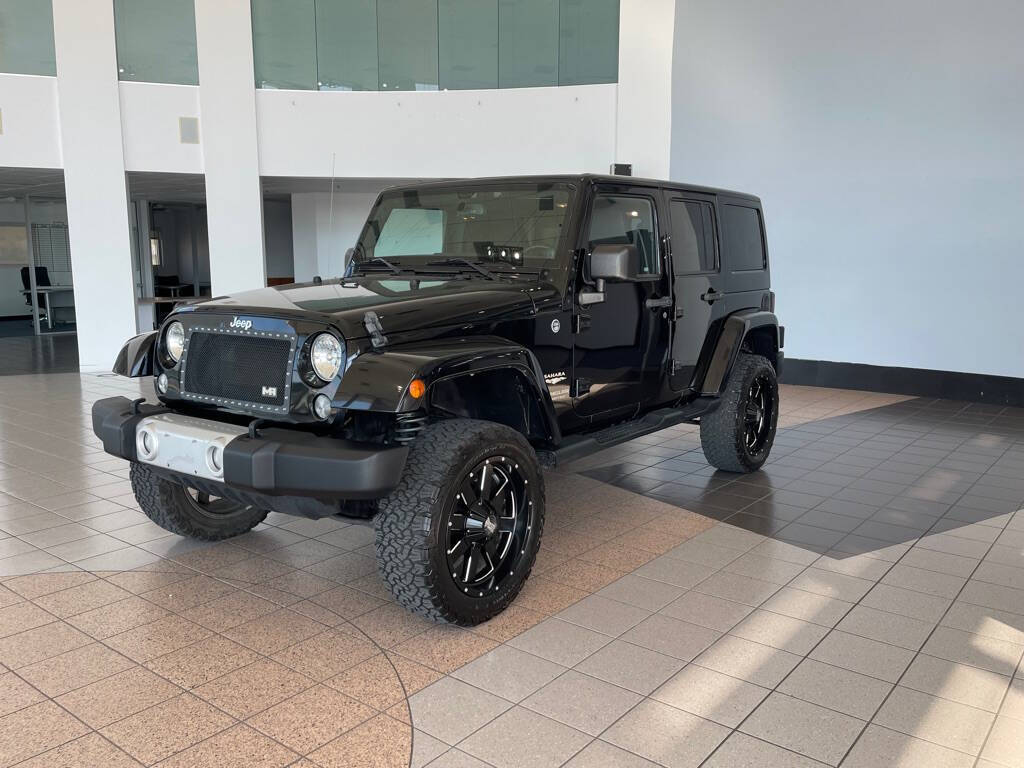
(621, 220)
(26, 37)
(527, 43)
(346, 43)
(407, 44)
(468, 43)
(284, 44)
(741, 229)
(588, 42)
(156, 41)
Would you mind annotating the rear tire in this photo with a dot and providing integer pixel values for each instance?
(173, 508)
(739, 434)
(457, 539)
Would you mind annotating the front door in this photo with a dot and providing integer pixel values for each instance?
(697, 280)
(614, 338)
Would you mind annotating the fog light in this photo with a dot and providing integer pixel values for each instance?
(146, 443)
(322, 407)
(215, 459)
(161, 383)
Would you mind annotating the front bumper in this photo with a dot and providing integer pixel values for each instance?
(278, 462)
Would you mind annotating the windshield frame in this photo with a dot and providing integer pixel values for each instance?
(558, 273)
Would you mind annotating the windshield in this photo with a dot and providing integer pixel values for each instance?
(504, 228)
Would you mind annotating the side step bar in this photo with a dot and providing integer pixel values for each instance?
(579, 446)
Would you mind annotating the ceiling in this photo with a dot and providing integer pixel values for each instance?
(38, 182)
(176, 187)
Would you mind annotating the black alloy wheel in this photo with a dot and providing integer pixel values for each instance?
(488, 523)
(737, 436)
(758, 416)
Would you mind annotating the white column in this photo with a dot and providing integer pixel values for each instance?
(227, 102)
(644, 112)
(94, 181)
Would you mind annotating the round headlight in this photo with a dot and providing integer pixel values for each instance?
(174, 340)
(325, 356)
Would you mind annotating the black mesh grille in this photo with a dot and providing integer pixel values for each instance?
(247, 369)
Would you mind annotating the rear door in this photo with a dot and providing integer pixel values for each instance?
(697, 279)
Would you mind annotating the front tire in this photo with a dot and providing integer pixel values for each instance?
(457, 539)
(185, 512)
(739, 434)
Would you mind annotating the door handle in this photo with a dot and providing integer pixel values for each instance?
(712, 296)
(664, 301)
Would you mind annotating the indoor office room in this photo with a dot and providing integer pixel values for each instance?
(37, 288)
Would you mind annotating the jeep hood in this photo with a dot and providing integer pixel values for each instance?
(402, 303)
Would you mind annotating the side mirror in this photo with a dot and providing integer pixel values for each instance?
(617, 263)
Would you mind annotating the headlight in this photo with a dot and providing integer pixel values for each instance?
(325, 356)
(174, 340)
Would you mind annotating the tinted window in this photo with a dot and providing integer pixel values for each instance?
(284, 44)
(619, 220)
(741, 228)
(693, 237)
(156, 41)
(26, 38)
(467, 44)
(346, 45)
(407, 45)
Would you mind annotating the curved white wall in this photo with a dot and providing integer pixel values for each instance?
(885, 140)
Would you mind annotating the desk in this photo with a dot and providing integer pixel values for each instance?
(47, 291)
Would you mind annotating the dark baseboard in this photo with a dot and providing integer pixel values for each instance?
(948, 385)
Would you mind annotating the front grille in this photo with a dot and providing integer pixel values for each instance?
(248, 370)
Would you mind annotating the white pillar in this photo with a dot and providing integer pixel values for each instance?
(644, 114)
(227, 102)
(94, 181)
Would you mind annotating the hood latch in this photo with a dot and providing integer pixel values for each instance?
(375, 329)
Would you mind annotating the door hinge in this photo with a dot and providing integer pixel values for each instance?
(580, 323)
(579, 387)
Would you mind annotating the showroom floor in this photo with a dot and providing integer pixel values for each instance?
(859, 602)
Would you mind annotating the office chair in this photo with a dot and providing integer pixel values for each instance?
(42, 278)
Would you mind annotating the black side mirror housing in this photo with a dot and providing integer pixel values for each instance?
(615, 263)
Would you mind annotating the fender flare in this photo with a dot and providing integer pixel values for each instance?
(378, 380)
(137, 357)
(735, 330)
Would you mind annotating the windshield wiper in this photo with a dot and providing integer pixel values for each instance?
(394, 269)
(458, 260)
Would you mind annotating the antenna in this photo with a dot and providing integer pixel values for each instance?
(330, 215)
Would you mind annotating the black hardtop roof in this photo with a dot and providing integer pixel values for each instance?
(584, 178)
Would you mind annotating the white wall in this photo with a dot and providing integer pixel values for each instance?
(149, 115)
(31, 136)
(436, 134)
(321, 238)
(97, 200)
(644, 104)
(886, 142)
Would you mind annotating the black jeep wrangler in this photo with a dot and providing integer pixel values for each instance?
(483, 329)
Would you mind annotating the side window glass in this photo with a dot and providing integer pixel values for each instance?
(741, 227)
(622, 220)
(693, 237)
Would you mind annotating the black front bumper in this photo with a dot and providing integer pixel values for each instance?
(278, 462)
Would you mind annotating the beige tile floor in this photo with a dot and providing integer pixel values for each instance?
(858, 603)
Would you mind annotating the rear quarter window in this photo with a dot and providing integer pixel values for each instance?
(744, 245)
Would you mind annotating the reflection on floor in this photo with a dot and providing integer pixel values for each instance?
(860, 602)
(38, 354)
